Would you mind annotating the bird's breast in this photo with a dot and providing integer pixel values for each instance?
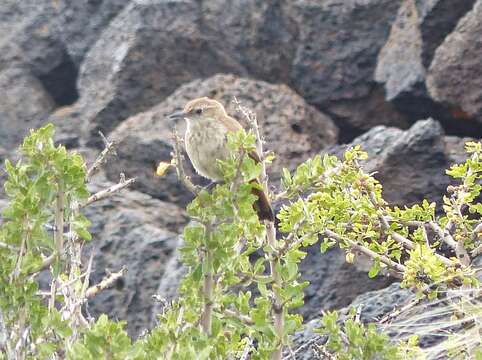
(206, 143)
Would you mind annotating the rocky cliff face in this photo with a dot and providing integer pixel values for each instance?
(319, 74)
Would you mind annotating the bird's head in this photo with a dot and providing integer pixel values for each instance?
(199, 109)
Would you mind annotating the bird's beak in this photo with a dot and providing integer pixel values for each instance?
(176, 116)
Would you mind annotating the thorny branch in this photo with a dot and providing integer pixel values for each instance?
(105, 283)
(357, 247)
(278, 307)
(103, 194)
(102, 158)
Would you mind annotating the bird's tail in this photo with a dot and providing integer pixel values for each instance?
(262, 206)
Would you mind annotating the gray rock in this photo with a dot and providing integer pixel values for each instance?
(409, 164)
(336, 56)
(138, 231)
(454, 76)
(28, 32)
(29, 36)
(419, 29)
(292, 128)
(374, 305)
(334, 283)
(147, 51)
(259, 34)
(24, 104)
(82, 22)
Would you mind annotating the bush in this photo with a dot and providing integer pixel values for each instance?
(243, 287)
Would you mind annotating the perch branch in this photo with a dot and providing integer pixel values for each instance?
(105, 283)
(384, 259)
(101, 159)
(107, 192)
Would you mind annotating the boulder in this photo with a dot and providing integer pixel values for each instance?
(292, 129)
(454, 77)
(334, 283)
(82, 22)
(137, 231)
(24, 104)
(29, 35)
(145, 53)
(420, 27)
(336, 56)
(259, 34)
(410, 164)
(374, 305)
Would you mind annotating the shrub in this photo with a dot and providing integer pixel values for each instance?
(240, 296)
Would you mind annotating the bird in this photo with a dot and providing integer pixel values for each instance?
(205, 139)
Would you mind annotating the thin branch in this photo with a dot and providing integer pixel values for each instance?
(208, 289)
(384, 259)
(8, 247)
(395, 235)
(105, 283)
(107, 192)
(101, 159)
(477, 251)
(322, 352)
(45, 263)
(243, 318)
(246, 350)
(278, 308)
(445, 236)
(178, 159)
(397, 312)
(304, 346)
(59, 218)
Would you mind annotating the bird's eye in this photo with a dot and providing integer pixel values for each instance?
(199, 111)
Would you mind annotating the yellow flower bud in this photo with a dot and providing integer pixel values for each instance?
(162, 168)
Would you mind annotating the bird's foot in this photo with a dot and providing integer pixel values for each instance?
(210, 186)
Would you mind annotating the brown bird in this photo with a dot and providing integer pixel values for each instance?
(206, 141)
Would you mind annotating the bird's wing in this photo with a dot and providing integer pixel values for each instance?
(261, 205)
(233, 125)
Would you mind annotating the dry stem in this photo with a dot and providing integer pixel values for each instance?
(105, 283)
(355, 246)
(278, 307)
(101, 159)
(107, 192)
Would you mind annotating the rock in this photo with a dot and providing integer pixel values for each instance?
(336, 56)
(420, 27)
(334, 283)
(325, 51)
(30, 37)
(454, 77)
(170, 281)
(354, 117)
(409, 164)
(82, 22)
(28, 32)
(138, 231)
(24, 104)
(374, 305)
(455, 149)
(267, 49)
(147, 51)
(292, 128)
